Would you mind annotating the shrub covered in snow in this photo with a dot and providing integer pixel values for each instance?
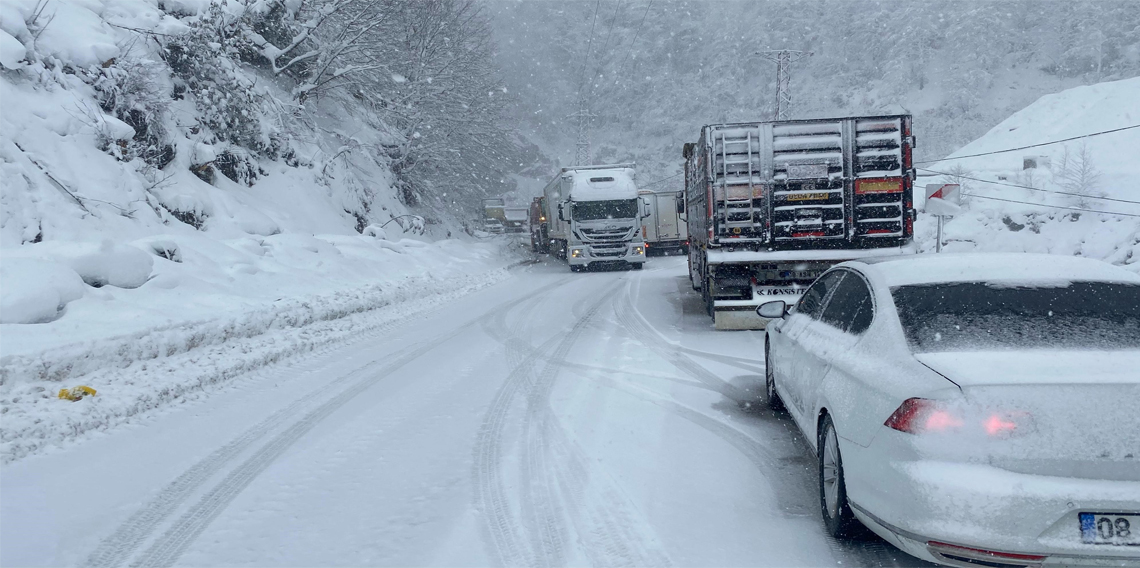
(375, 231)
(36, 291)
(122, 266)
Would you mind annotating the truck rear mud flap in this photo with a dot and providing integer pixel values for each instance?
(737, 315)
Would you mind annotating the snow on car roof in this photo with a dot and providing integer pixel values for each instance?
(1011, 268)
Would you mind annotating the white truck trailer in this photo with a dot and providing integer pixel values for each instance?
(662, 223)
(594, 217)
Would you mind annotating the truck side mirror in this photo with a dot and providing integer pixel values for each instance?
(680, 204)
(561, 215)
(645, 210)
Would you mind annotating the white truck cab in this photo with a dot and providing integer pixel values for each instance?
(595, 216)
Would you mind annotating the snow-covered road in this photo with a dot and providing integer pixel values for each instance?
(552, 419)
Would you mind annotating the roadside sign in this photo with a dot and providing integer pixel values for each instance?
(943, 199)
(944, 191)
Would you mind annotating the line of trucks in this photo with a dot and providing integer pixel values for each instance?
(766, 208)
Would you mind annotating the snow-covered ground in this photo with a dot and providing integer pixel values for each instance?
(151, 282)
(549, 419)
(1045, 220)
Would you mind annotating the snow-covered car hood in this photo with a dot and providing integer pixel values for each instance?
(1035, 367)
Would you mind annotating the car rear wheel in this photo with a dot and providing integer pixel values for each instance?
(837, 515)
(771, 396)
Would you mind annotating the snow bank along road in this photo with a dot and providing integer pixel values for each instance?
(551, 419)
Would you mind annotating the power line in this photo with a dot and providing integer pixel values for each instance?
(953, 175)
(1052, 206)
(662, 179)
(589, 45)
(629, 50)
(582, 144)
(601, 62)
(1030, 146)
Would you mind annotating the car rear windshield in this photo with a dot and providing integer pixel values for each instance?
(977, 316)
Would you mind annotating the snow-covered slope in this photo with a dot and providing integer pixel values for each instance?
(1080, 199)
(123, 252)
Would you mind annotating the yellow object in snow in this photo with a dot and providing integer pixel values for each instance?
(76, 393)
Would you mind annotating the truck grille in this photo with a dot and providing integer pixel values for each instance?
(607, 250)
(606, 235)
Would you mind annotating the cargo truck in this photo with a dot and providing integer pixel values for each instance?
(494, 215)
(593, 217)
(515, 219)
(771, 205)
(663, 223)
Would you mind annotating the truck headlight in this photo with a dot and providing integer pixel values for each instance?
(638, 249)
(575, 253)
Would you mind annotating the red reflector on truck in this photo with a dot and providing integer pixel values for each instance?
(809, 234)
(863, 186)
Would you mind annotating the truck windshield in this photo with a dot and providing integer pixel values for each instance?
(612, 209)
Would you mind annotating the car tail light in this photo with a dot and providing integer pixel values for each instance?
(921, 416)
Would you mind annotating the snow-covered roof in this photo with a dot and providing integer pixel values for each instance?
(1010, 268)
(616, 183)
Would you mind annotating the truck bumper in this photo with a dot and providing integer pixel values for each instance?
(739, 311)
(741, 314)
(586, 254)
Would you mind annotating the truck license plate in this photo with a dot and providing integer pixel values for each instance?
(1110, 528)
(807, 196)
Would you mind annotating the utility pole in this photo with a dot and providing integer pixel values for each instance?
(783, 58)
(582, 146)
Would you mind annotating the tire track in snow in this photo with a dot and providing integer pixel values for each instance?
(116, 549)
(499, 523)
(170, 546)
(605, 518)
(541, 484)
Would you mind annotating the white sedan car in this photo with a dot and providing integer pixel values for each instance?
(973, 410)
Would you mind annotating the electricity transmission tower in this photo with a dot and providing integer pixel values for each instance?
(783, 58)
(582, 146)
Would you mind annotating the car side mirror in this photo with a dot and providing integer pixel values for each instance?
(777, 309)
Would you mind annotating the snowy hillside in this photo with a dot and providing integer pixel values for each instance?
(656, 71)
(1076, 197)
(168, 197)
